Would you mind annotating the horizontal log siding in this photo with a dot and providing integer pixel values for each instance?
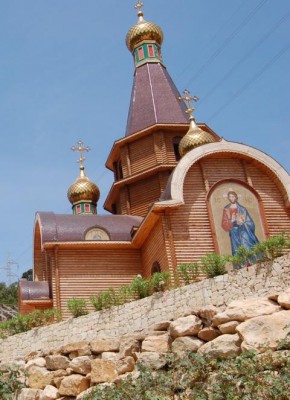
(39, 261)
(143, 194)
(160, 148)
(278, 217)
(190, 224)
(142, 154)
(216, 169)
(84, 274)
(169, 146)
(154, 250)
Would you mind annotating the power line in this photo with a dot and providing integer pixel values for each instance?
(226, 42)
(252, 80)
(246, 56)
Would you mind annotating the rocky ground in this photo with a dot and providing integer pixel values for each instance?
(74, 370)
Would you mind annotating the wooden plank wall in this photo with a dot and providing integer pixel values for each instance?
(142, 155)
(190, 224)
(143, 194)
(39, 260)
(154, 250)
(84, 273)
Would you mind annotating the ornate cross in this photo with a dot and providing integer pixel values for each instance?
(80, 148)
(139, 5)
(188, 101)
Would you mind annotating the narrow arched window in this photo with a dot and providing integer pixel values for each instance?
(155, 267)
(175, 142)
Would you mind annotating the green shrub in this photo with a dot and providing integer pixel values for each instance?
(77, 307)
(10, 382)
(188, 272)
(23, 323)
(140, 287)
(106, 299)
(213, 265)
(159, 281)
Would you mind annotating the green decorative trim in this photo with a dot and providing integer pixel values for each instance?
(84, 208)
(147, 52)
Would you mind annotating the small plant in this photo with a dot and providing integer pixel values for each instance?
(124, 295)
(159, 281)
(243, 257)
(23, 323)
(140, 287)
(77, 307)
(213, 265)
(10, 382)
(105, 299)
(188, 272)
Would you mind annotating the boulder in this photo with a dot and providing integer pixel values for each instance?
(158, 344)
(27, 394)
(265, 332)
(160, 326)
(81, 365)
(103, 371)
(84, 395)
(39, 377)
(152, 360)
(39, 362)
(101, 345)
(129, 345)
(208, 312)
(228, 327)
(124, 365)
(185, 326)
(73, 385)
(110, 356)
(223, 347)
(57, 361)
(77, 346)
(186, 343)
(241, 310)
(49, 393)
(207, 334)
(284, 299)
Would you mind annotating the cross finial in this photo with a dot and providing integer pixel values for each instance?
(80, 148)
(188, 101)
(139, 6)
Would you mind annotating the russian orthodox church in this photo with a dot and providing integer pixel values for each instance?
(179, 192)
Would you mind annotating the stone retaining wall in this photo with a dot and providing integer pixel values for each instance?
(140, 315)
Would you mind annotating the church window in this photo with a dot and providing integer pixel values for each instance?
(97, 234)
(79, 209)
(87, 208)
(151, 50)
(120, 170)
(140, 53)
(175, 143)
(155, 267)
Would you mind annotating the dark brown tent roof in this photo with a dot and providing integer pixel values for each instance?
(68, 228)
(154, 99)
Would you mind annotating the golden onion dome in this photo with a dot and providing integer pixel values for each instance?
(83, 189)
(195, 137)
(143, 30)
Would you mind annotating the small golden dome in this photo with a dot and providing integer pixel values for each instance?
(83, 189)
(143, 30)
(195, 137)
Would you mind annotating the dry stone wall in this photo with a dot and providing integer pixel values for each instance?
(141, 315)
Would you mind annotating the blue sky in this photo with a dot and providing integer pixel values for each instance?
(66, 74)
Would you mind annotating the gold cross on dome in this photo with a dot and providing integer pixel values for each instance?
(139, 5)
(188, 101)
(80, 148)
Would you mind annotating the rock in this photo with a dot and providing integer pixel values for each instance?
(56, 362)
(77, 346)
(103, 371)
(185, 326)
(39, 377)
(284, 299)
(129, 346)
(27, 394)
(159, 344)
(208, 312)
(229, 327)
(39, 362)
(124, 365)
(84, 395)
(152, 360)
(110, 356)
(81, 365)
(73, 385)
(223, 347)
(101, 345)
(186, 343)
(208, 333)
(160, 326)
(49, 393)
(241, 310)
(265, 332)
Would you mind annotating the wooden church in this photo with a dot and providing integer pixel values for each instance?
(179, 192)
